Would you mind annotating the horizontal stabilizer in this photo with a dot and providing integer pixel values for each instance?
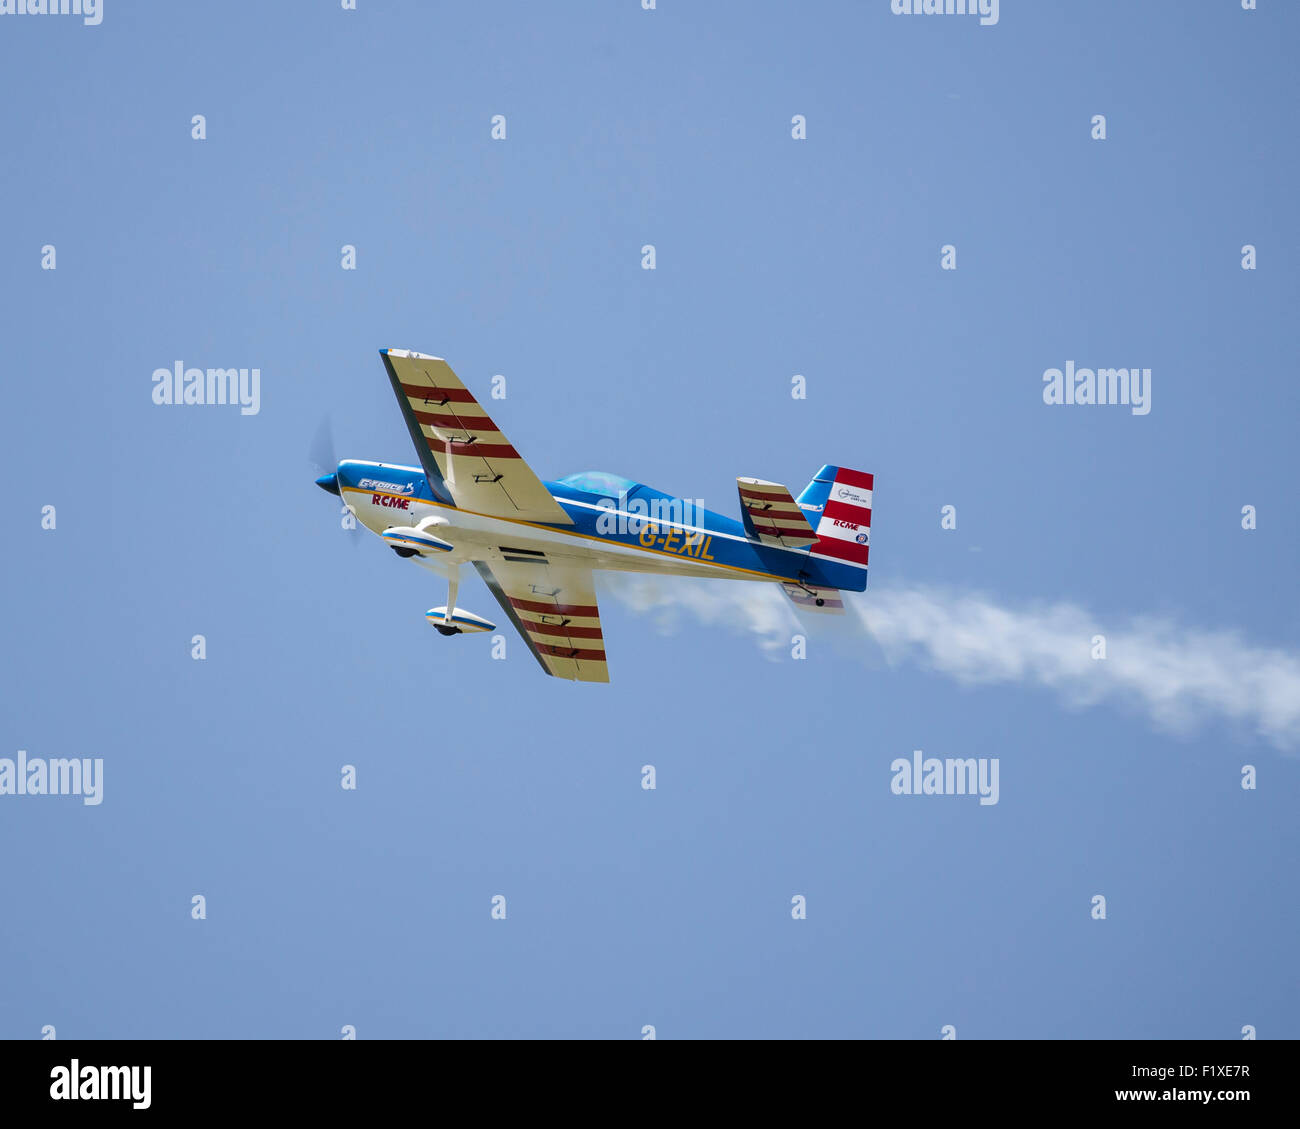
(771, 515)
(825, 601)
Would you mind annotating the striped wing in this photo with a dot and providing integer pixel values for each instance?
(461, 448)
(554, 608)
(772, 516)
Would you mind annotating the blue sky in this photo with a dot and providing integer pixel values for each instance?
(775, 257)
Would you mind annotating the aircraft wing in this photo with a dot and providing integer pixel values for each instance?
(553, 606)
(461, 447)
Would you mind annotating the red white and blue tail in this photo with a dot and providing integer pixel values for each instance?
(838, 504)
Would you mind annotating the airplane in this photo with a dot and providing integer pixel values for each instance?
(536, 544)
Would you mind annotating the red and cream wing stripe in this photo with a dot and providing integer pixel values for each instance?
(844, 531)
(554, 609)
(481, 469)
(775, 517)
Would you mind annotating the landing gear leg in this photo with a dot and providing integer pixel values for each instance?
(453, 584)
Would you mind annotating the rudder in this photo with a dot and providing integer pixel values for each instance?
(838, 504)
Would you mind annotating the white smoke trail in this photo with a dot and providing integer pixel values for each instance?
(759, 609)
(1179, 677)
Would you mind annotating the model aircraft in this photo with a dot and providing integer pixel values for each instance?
(536, 544)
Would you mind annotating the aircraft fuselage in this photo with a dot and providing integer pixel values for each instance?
(607, 533)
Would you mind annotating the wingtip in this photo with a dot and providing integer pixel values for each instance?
(408, 354)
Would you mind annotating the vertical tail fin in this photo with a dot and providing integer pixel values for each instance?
(838, 504)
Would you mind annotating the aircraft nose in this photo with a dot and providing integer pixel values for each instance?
(329, 483)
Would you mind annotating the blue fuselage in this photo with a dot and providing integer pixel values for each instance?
(639, 528)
